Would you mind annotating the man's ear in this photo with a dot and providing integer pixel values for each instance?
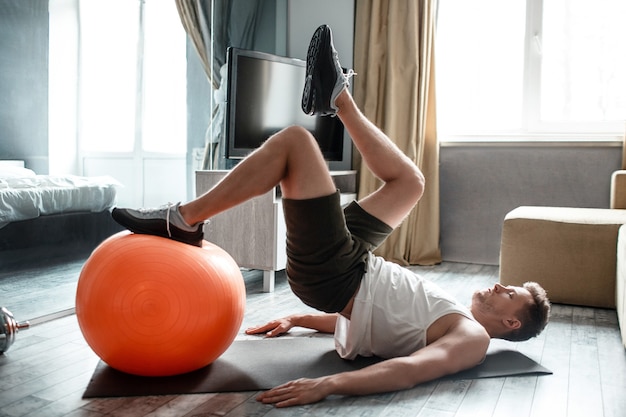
(512, 323)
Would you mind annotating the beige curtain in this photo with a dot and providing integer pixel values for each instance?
(624, 149)
(193, 18)
(394, 60)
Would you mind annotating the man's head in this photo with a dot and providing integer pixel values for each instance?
(512, 313)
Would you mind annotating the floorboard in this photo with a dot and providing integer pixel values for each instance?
(48, 367)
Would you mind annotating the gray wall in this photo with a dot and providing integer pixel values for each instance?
(479, 185)
(24, 82)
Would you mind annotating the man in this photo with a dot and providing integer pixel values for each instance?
(372, 306)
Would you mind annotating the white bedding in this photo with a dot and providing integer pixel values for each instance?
(24, 195)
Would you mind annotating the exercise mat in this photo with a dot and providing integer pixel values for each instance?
(260, 364)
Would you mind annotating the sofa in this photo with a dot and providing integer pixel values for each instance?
(577, 254)
(620, 288)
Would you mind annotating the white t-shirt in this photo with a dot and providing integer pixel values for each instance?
(392, 311)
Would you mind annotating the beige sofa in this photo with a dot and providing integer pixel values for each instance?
(620, 288)
(577, 254)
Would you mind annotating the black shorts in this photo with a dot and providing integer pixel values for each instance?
(327, 249)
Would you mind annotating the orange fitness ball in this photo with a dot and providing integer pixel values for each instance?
(151, 306)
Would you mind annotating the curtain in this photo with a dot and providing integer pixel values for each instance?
(394, 60)
(624, 149)
(221, 22)
(213, 26)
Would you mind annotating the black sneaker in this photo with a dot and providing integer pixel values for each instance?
(325, 78)
(164, 221)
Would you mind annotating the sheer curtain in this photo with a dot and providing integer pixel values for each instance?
(394, 57)
(213, 26)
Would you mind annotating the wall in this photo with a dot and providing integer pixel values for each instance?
(305, 16)
(24, 82)
(480, 184)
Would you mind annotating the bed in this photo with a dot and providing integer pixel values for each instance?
(56, 213)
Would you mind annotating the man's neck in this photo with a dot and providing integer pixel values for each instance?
(491, 325)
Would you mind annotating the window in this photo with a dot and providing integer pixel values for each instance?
(164, 79)
(132, 77)
(531, 67)
(108, 71)
(117, 96)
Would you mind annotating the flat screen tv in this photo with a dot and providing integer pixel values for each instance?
(263, 93)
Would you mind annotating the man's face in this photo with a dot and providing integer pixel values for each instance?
(501, 301)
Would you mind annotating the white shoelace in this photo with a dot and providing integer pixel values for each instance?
(349, 74)
(167, 215)
(167, 219)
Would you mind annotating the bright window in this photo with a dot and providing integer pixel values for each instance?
(165, 79)
(132, 77)
(531, 67)
(108, 74)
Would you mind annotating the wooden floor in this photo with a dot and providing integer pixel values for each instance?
(48, 367)
(34, 292)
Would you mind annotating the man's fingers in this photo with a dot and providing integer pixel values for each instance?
(254, 330)
(291, 393)
(261, 329)
(280, 398)
(271, 329)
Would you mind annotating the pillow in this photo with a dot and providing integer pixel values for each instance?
(7, 171)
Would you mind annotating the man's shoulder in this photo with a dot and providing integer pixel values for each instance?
(455, 325)
(462, 341)
(466, 335)
(471, 334)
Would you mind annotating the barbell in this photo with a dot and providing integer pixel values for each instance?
(9, 328)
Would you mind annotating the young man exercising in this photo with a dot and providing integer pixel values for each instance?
(372, 306)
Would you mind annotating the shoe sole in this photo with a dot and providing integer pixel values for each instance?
(321, 37)
(154, 227)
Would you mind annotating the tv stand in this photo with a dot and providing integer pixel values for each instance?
(253, 233)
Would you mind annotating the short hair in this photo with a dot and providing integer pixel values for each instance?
(534, 315)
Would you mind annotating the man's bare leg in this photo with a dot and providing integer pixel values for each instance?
(403, 181)
(290, 158)
(293, 159)
(325, 93)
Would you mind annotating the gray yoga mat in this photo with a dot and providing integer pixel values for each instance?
(260, 364)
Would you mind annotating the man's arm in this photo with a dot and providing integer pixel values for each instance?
(324, 323)
(460, 349)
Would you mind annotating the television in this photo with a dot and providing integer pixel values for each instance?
(263, 96)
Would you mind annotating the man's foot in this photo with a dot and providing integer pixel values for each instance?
(164, 221)
(325, 78)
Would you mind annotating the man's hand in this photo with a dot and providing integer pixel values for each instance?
(324, 323)
(298, 392)
(273, 328)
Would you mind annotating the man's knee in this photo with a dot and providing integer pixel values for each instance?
(301, 145)
(294, 133)
(417, 182)
(294, 136)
